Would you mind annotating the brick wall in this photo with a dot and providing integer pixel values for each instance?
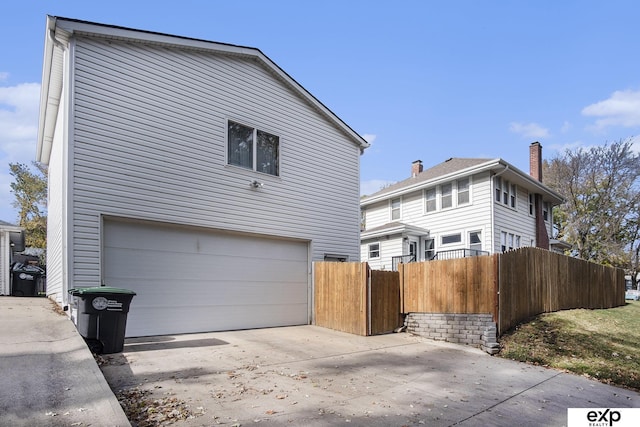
(478, 330)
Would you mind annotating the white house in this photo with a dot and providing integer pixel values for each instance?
(11, 240)
(198, 174)
(460, 207)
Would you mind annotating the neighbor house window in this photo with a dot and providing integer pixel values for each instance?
(532, 204)
(451, 238)
(475, 240)
(463, 191)
(498, 184)
(503, 241)
(253, 149)
(429, 249)
(374, 250)
(395, 209)
(430, 196)
(545, 211)
(506, 192)
(445, 196)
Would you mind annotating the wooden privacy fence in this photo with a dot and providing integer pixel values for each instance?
(350, 297)
(534, 281)
(512, 287)
(463, 285)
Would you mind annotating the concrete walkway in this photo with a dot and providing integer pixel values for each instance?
(48, 377)
(311, 376)
(302, 375)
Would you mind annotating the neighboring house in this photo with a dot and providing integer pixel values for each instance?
(198, 174)
(11, 240)
(460, 207)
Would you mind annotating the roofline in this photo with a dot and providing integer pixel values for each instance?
(11, 228)
(398, 229)
(482, 167)
(71, 26)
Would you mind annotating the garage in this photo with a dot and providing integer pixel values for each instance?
(198, 280)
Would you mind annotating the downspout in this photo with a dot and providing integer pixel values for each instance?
(492, 205)
(493, 240)
(56, 42)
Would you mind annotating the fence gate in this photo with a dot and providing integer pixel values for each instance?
(350, 297)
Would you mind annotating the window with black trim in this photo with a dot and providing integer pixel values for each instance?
(253, 149)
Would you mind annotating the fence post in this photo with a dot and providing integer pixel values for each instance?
(401, 277)
(496, 288)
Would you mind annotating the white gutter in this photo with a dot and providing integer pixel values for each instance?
(49, 102)
(468, 171)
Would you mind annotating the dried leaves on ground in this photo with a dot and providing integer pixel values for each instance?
(144, 410)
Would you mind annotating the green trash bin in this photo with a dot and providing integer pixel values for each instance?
(101, 317)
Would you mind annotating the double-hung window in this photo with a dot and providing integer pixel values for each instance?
(446, 198)
(506, 192)
(395, 209)
(253, 149)
(374, 250)
(532, 204)
(430, 196)
(463, 191)
(475, 241)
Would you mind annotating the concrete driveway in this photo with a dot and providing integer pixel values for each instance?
(314, 376)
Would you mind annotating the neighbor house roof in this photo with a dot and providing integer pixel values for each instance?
(457, 167)
(9, 227)
(392, 228)
(60, 29)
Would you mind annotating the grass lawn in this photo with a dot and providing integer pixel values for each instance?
(601, 344)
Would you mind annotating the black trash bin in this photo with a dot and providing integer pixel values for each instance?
(101, 316)
(25, 279)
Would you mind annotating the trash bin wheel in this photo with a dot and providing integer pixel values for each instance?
(95, 346)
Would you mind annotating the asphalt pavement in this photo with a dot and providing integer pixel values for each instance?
(302, 375)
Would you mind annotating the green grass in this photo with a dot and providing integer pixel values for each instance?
(600, 344)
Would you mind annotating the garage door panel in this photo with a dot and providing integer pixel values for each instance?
(196, 281)
(227, 318)
(201, 266)
(215, 296)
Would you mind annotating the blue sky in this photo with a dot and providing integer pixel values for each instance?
(422, 80)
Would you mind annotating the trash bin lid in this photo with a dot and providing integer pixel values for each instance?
(100, 290)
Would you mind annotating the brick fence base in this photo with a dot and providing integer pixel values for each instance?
(478, 330)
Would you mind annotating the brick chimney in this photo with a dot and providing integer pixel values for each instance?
(535, 170)
(416, 168)
(535, 160)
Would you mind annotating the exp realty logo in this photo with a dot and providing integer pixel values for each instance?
(603, 417)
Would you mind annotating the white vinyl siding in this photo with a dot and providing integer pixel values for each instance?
(150, 144)
(388, 248)
(517, 221)
(56, 210)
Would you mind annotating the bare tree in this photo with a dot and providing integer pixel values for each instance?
(602, 189)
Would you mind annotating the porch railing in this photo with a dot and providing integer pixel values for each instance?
(402, 259)
(458, 253)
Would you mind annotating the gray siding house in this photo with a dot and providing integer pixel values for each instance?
(198, 174)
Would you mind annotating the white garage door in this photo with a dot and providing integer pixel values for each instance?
(190, 280)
